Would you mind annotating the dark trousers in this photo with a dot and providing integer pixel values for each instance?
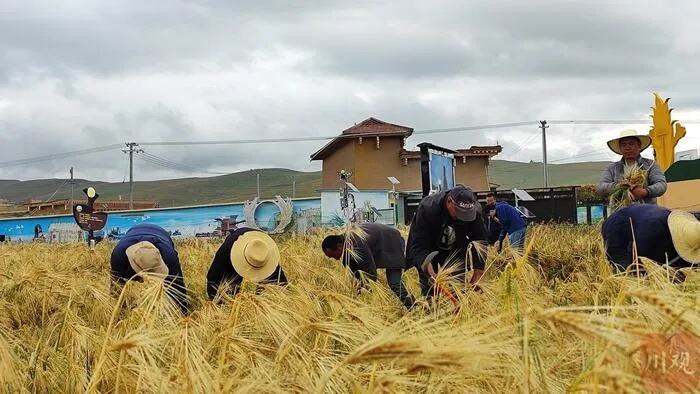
(394, 278)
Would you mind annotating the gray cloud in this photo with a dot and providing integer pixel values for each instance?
(91, 74)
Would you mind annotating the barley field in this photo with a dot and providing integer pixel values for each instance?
(555, 319)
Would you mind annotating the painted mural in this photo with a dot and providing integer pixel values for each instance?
(200, 221)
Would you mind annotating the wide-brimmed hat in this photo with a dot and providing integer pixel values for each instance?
(255, 256)
(644, 140)
(685, 233)
(145, 257)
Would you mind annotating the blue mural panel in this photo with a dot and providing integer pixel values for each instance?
(185, 222)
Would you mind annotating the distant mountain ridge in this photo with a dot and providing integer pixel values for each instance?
(242, 186)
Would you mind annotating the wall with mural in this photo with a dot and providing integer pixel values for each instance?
(332, 214)
(184, 222)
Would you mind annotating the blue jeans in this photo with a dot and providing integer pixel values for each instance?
(517, 239)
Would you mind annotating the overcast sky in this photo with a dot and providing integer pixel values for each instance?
(92, 73)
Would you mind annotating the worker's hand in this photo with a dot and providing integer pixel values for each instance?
(492, 213)
(623, 183)
(476, 279)
(497, 245)
(638, 192)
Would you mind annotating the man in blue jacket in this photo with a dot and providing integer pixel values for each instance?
(657, 233)
(511, 223)
(147, 248)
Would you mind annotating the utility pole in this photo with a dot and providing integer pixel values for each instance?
(258, 176)
(132, 149)
(294, 186)
(71, 188)
(544, 127)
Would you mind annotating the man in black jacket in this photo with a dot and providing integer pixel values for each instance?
(378, 246)
(447, 222)
(245, 254)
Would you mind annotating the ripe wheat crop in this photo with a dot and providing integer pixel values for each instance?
(554, 319)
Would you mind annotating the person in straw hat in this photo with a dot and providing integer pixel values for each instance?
(630, 145)
(654, 232)
(148, 249)
(245, 254)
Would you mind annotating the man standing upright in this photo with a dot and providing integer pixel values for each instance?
(629, 145)
(447, 223)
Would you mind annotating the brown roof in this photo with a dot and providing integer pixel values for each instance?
(478, 151)
(371, 127)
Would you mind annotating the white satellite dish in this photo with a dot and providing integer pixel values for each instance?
(393, 180)
(522, 195)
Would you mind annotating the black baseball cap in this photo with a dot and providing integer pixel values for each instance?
(465, 202)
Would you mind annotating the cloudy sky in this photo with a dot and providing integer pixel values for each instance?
(91, 73)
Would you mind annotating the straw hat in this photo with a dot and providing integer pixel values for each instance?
(255, 256)
(685, 233)
(145, 257)
(614, 144)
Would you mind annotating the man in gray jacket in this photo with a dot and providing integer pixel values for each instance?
(630, 144)
(380, 246)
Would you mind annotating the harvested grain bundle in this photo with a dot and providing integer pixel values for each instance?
(634, 176)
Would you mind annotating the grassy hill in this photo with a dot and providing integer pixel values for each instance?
(177, 192)
(275, 181)
(510, 174)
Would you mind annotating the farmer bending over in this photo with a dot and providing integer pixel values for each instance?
(510, 220)
(147, 248)
(661, 235)
(446, 222)
(245, 254)
(380, 246)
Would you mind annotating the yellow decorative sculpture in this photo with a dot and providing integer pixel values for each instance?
(665, 133)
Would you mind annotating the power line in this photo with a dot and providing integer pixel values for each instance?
(312, 138)
(613, 121)
(157, 160)
(63, 155)
(524, 144)
(55, 156)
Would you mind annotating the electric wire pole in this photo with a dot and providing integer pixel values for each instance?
(544, 127)
(131, 151)
(294, 186)
(71, 188)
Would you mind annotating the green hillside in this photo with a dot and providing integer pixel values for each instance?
(241, 186)
(177, 192)
(510, 174)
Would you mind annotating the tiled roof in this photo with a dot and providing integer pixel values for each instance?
(371, 127)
